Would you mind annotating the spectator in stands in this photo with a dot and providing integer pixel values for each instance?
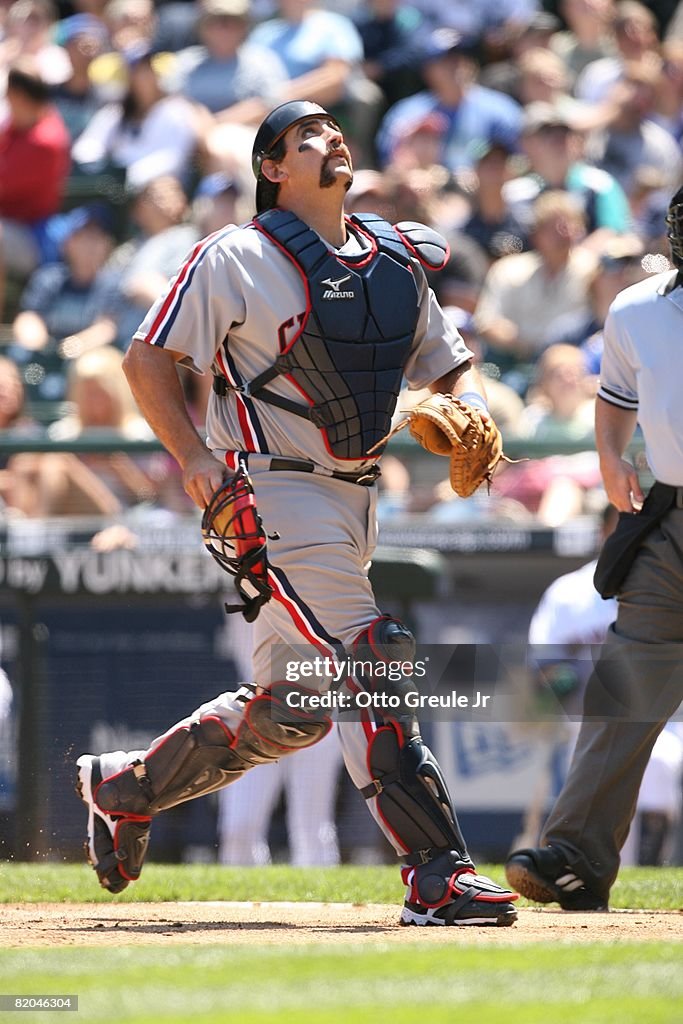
(462, 279)
(478, 19)
(631, 140)
(131, 23)
(225, 70)
(621, 265)
(389, 30)
(216, 203)
(554, 489)
(553, 149)
(492, 223)
(83, 38)
(318, 48)
(143, 265)
(28, 34)
(13, 414)
(589, 35)
(503, 71)
(561, 401)
(64, 305)
(147, 134)
(34, 163)
(393, 195)
(470, 112)
(543, 78)
(529, 298)
(323, 53)
(61, 483)
(418, 144)
(668, 106)
(635, 36)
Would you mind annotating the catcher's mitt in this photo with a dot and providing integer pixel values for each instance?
(233, 533)
(446, 426)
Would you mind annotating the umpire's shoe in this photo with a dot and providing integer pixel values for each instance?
(543, 874)
(116, 846)
(472, 899)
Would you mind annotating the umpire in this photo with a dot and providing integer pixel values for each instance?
(637, 683)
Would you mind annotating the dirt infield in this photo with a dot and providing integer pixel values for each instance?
(88, 924)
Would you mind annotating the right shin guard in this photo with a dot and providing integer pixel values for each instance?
(203, 756)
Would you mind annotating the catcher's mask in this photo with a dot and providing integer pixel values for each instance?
(233, 533)
(272, 129)
(674, 223)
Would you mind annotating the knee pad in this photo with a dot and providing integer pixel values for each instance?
(413, 801)
(280, 721)
(204, 756)
(386, 639)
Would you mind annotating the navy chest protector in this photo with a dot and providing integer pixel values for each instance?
(348, 355)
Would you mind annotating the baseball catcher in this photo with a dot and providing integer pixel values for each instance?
(308, 321)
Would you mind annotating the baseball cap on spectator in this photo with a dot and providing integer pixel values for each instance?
(541, 23)
(621, 251)
(138, 50)
(217, 184)
(432, 123)
(224, 9)
(480, 148)
(538, 116)
(441, 43)
(80, 25)
(64, 225)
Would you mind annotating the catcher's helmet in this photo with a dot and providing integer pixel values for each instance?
(674, 222)
(271, 131)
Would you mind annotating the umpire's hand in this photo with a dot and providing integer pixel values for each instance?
(621, 484)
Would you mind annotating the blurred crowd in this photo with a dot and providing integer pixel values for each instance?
(542, 139)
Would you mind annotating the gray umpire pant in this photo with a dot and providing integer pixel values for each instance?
(636, 686)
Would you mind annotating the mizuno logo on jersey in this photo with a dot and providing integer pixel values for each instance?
(334, 290)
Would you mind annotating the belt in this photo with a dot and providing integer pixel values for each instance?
(278, 464)
(667, 492)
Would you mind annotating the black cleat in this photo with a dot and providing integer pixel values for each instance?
(115, 847)
(476, 900)
(542, 874)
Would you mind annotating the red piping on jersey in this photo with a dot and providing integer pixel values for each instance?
(417, 255)
(297, 616)
(170, 298)
(368, 728)
(350, 262)
(248, 432)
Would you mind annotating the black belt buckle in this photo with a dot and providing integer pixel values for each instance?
(368, 477)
